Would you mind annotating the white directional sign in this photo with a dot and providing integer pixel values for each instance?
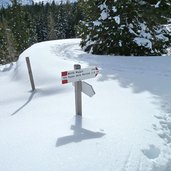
(87, 89)
(76, 76)
(79, 74)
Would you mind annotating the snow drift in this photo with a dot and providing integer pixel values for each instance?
(125, 126)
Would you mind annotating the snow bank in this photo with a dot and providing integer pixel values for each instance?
(125, 126)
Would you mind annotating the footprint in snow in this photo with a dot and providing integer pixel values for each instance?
(152, 152)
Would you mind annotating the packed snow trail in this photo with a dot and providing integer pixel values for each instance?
(125, 126)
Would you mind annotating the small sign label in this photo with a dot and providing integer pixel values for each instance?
(78, 75)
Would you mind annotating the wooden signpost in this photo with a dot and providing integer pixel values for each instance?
(76, 76)
(30, 73)
(78, 95)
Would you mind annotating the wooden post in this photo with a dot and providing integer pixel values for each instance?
(78, 96)
(30, 73)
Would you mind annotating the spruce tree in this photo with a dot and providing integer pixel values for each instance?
(42, 23)
(61, 23)
(51, 27)
(3, 43)
(21, 26)
(8, 51)
(123, 27)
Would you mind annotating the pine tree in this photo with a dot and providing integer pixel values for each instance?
(3, 46)
(61, 23)
(41, 20)
(7, 42)
(11, 54)
(21, 26)
(51, 27)
(123, 27)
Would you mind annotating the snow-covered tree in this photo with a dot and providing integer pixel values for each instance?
(21, 25)
(8, 51)
(125, 27)
(51, 27)
(64, 20)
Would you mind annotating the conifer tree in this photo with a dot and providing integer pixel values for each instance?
(51, 27)
(21, 26)
(3, 43)
(42, 23)
(11, 53)
(61, 23)
(123, 27)
(7, 42)
(68, 15)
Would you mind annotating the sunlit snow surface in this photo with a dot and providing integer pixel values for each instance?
(126, 126)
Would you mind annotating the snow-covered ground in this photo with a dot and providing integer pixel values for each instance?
(126, 126)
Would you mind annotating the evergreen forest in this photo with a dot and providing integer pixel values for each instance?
(117, 27)
(126, 27)
(23, 25)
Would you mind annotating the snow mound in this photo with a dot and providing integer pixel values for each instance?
(125, 126)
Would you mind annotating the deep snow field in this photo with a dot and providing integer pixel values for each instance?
(126, 125)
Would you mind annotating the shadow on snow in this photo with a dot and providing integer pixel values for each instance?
(152, 74)
(80, 134)
(26, 103)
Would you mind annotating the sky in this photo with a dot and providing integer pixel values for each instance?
(126, 125)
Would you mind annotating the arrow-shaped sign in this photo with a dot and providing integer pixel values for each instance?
(79, 74)
(87, 89)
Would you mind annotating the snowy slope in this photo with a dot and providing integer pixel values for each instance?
(126, 126)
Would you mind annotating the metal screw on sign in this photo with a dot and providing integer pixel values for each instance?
(78, 96)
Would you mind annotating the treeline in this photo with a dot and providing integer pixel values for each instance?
(21, 26)
(106, 27)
